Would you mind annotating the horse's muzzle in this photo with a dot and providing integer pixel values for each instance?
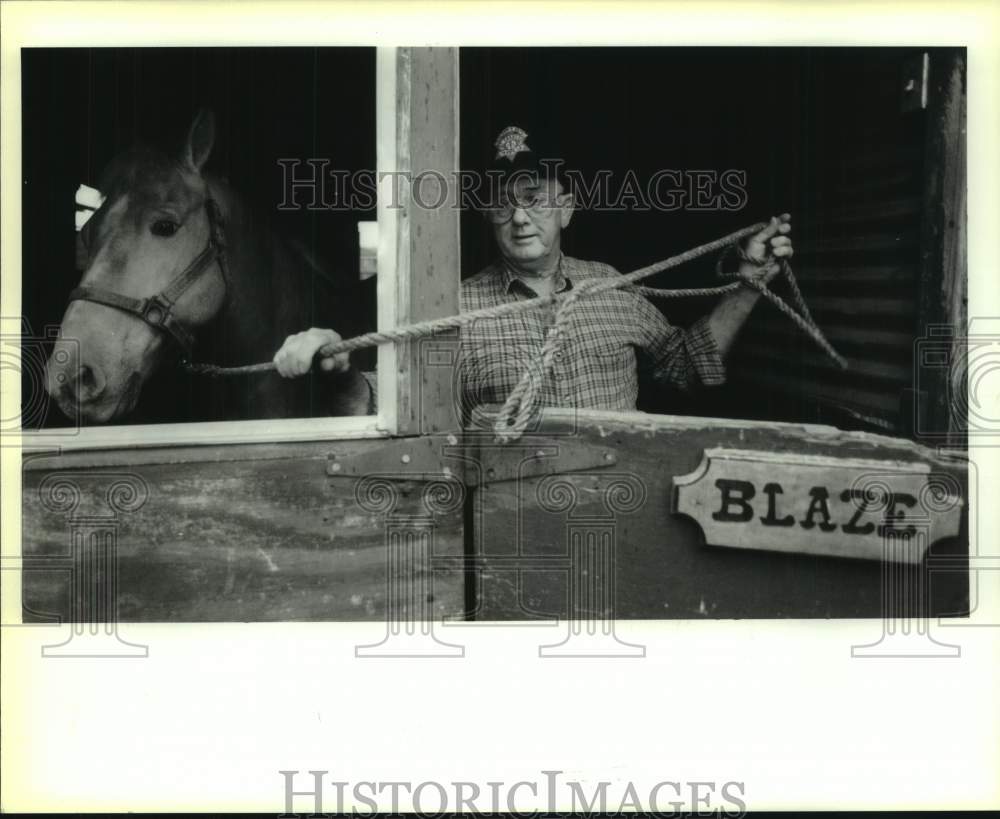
(77, 387)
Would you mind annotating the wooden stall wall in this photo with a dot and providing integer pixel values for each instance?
(577, 521)
(230, 534)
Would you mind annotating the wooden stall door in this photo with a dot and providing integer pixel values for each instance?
(606, 536)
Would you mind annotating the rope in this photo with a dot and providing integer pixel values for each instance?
(520, 404)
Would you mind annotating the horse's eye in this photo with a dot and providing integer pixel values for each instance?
(164, 227)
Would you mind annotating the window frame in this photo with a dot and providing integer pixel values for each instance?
(391, 125)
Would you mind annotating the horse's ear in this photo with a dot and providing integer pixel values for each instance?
(200, 138)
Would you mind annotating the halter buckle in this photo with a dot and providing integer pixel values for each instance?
(156, 310)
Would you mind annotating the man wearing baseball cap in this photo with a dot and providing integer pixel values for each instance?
(612, 333)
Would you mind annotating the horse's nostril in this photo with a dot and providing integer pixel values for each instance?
(89, 383)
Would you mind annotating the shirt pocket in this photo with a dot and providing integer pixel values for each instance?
(606, 354)
(606, 373)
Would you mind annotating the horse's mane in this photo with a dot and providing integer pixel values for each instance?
(134, 168)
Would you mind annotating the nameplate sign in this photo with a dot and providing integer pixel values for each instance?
(841, 507)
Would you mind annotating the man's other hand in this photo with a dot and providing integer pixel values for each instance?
(296, 355)
(763, 249)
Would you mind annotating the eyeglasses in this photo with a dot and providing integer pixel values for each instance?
(533, 203)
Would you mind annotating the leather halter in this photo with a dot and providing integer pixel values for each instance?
(157, 310)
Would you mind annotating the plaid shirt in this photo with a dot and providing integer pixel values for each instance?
(610, 336)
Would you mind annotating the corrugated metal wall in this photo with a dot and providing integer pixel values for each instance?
(857, 244)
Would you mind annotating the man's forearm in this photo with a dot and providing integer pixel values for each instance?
(761, 262)
(729, 315)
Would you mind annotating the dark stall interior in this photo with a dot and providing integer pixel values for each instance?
(83, 106)
(819, 132)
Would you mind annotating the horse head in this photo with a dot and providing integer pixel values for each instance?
(154, 273)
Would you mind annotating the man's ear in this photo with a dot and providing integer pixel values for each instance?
(566, 209)
(200, 138)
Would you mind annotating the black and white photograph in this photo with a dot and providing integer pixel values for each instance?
(571, 344)
(750, 432)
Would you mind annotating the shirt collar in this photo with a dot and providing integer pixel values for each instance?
(510, 283)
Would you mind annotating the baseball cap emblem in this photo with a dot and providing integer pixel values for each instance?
(511, 142)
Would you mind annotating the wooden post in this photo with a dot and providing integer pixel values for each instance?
(428, 230)
(943, 287)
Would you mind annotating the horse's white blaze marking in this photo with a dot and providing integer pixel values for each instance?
(88, 200)
(89, 197)
(81, 218)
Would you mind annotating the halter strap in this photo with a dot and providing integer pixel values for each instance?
(157, 310)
